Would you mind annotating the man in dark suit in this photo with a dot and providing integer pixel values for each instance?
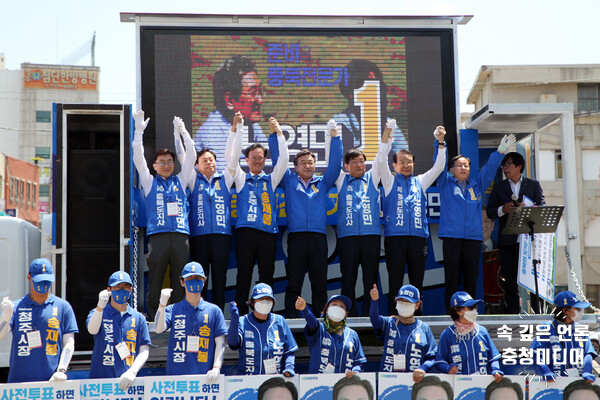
(499, 206)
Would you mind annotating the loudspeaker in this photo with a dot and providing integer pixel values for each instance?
(91, 176)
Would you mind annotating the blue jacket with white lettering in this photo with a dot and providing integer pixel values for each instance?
(257, 204)
(358, 207)
(306, 207)
(163, 192)
(405, 208)
(210, 206)
(460, 213)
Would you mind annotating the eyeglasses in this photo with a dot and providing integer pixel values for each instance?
(253, 93)
(165, 163)
(403, 163)
(257, 158)
(461, 166)
(508, 164)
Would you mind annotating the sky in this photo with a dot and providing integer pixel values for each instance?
(504, 32)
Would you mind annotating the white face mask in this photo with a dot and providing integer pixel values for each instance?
(578, 315)
(263, 306)
(471, 315)
(405, 310)
(336, 313)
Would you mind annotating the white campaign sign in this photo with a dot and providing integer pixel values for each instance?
(545, 251)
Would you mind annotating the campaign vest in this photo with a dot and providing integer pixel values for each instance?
(210, 206)
(163, 193)
(256, 204)
(358, 207)
(405, 208)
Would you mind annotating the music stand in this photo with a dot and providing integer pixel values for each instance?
(531, 220)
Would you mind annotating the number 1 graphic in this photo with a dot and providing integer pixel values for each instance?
(368, 99)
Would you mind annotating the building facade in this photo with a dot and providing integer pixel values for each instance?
(20, 188)
(26, 112)
(580, 85)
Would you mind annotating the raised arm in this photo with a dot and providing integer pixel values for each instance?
(138, 152)
(282, 163)
(387, 179)
(68, 346)
(335, 151)
(430, 176)
(188, 173)
(179, 149)
(233, 149)
(95, 319)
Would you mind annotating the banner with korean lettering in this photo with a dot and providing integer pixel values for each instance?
(246, 387)
(61, 78)
(545, 252)
(320, 386)
(190, 387)
(108, 389)
(68, 390)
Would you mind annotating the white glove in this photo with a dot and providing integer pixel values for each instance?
(7, 305)
(165, 294)
(506, 142)
(439, 133)
(391, 124)
(331, 126)
(103, 298)
(181, 126)
(126, 379)
(176, 126)
(213, 375)
(140, 124)
(58, 377)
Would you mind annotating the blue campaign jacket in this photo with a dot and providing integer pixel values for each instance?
(53, 319)
(460, 213)
(166, 191)
(358, 207)
(210, 206)
(130, 328)
(306, 208)
(405, 208)
(256, 204)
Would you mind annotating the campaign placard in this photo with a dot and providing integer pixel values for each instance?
(320, 386)
(108, 389)
(545, 252)
(245, 387)
(185, 387)
(398, 385)
(68, 390)
(542, 390)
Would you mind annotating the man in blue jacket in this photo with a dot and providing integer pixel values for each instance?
(405, 213)
(256, 225)
(359, 225)
(166, 210)
(460, 218)
(306, 207)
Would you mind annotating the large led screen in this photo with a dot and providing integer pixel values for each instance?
(303, 78)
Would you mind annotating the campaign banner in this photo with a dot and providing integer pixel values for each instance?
(542, 390)
(398, 385)
(320, 386)
(183, 387)
(108, 389)
(68, 390)
(246, 387)
(545, 252)
(480, 387)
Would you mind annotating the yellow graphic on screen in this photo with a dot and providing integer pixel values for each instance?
(368, 99)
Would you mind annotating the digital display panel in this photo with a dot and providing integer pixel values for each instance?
(303, 78)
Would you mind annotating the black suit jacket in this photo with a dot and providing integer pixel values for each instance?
(501, 194)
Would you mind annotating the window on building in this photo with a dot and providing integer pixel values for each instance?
(28, 194)
(12, 190)
(22, 192)
(587, 97)
(44, 190)
(34, 194)
(42, 152)
(43, 116)
(558, 164)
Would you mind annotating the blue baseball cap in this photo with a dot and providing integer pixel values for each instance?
(191, 269)
(346, 300)
(119, 277)
(262, 290)
(463, 299)
(568, 299)
(41, 270)
(409, 292)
